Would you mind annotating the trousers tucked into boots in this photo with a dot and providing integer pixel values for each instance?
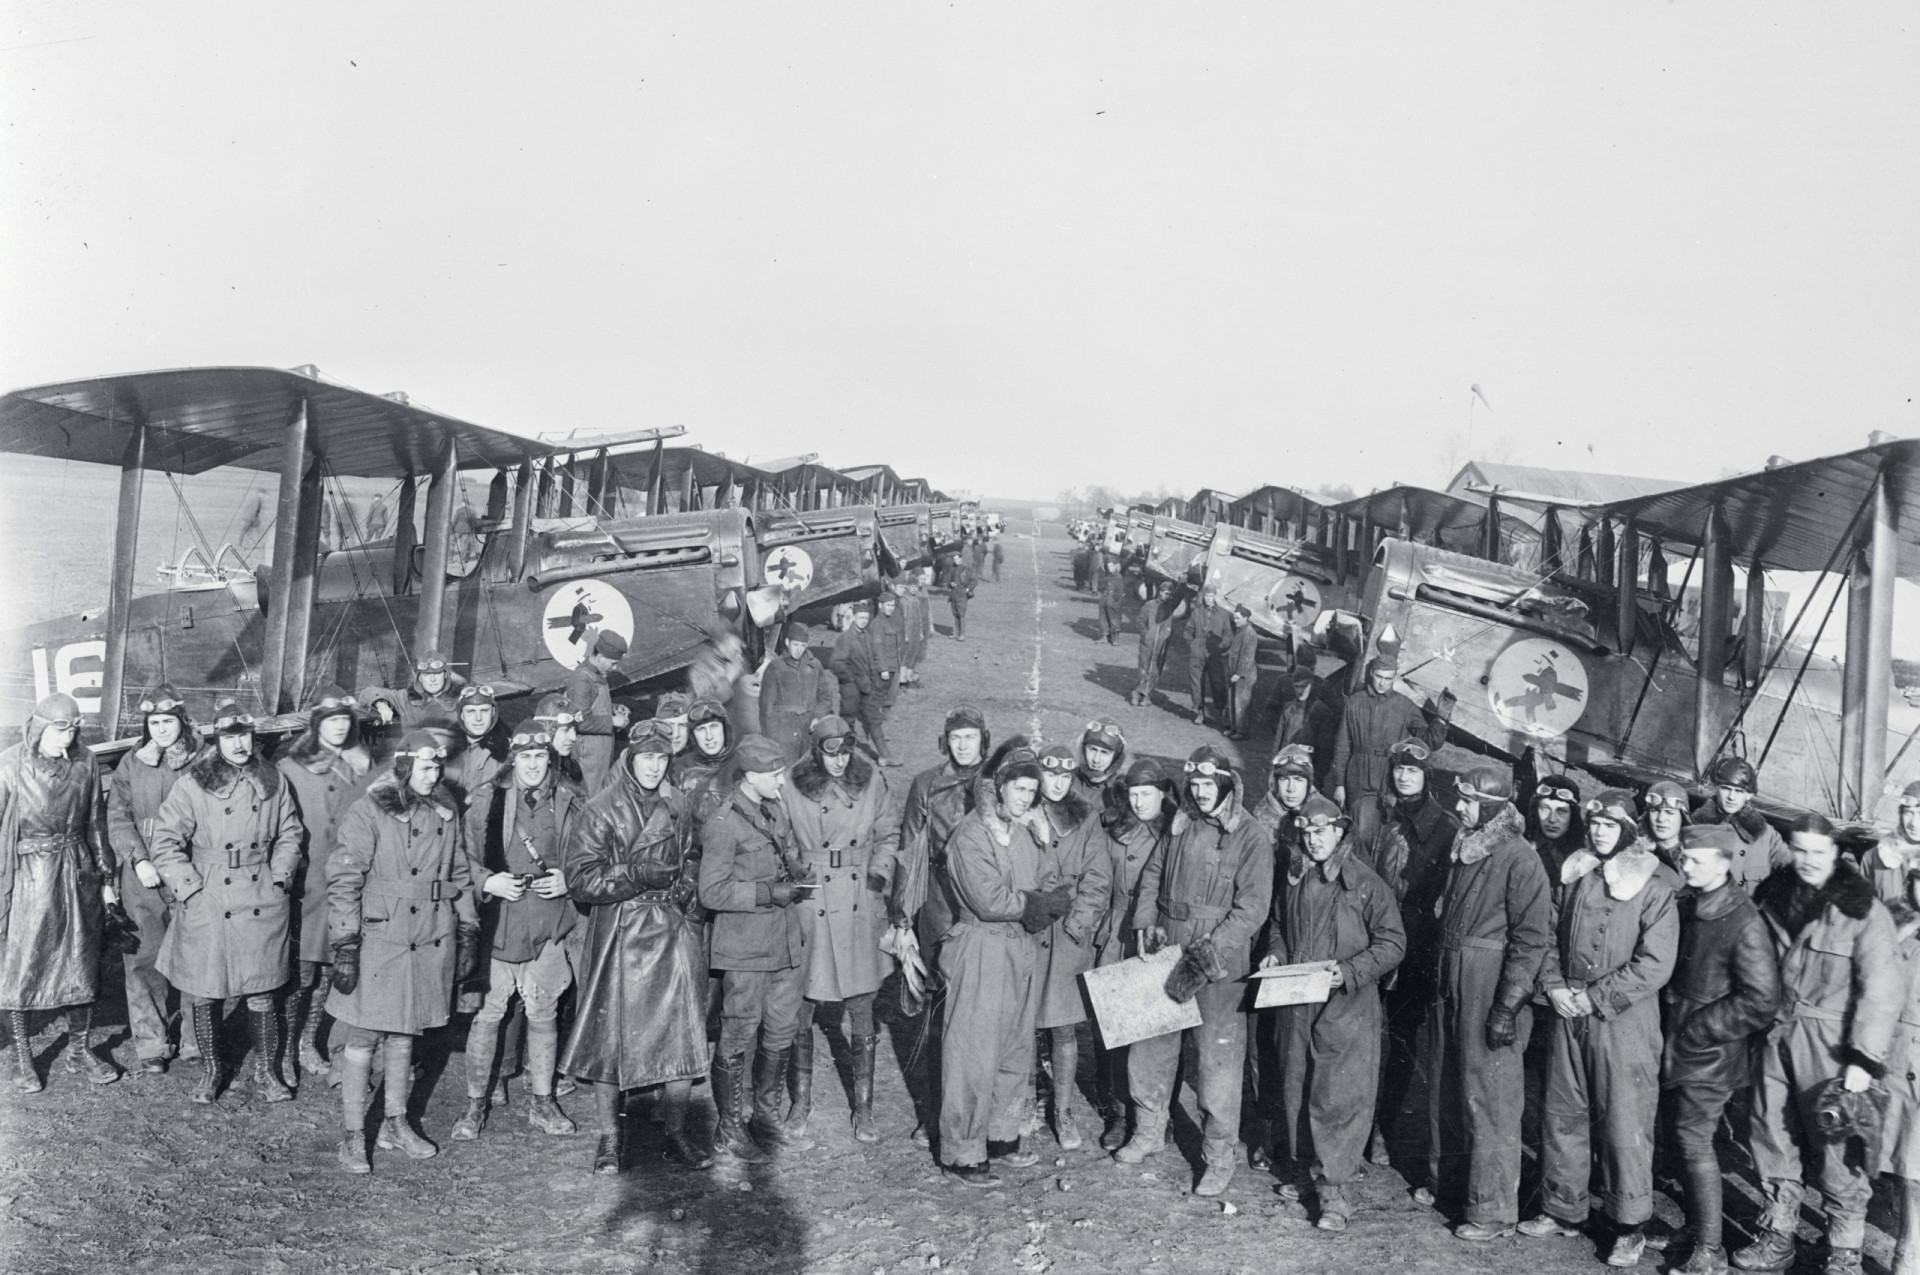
(769, 1087)
(206, 1034)
(25, 1078)
(730, 1136)
(800, 1085)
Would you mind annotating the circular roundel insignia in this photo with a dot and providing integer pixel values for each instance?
(578, 612)
(1295, 600)
(789, 568)
(1538, 687)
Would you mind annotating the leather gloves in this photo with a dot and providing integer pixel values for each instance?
(656, 876)
(1502, 1030)
(466, 952)
(346, 964)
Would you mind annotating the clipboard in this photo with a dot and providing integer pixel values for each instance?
(1306, 984)
(1130, 1000)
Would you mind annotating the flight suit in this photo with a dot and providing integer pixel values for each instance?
(1369, 726)
(1340, 911)
(1212, 878)
(1616, 934)
(140, 784)
(587, 691)
(1207, 633)
(1494, 923)
(1243, 670)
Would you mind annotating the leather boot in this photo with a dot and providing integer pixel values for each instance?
(543, 1050)
(482, 1038)
(354, 1068)
(865, 1129)
(313, 1008)
(769, 1085)
(675, 1099)
(1906, 1254)
(396, 1131)
(1704, 1204)
(1066, 1062)
(25, 1078)
(81, 1060)
(800, 1087)
(1773, 1249)
(610, 1146)
(206, 1035)
(266, 1056)
(730, 1138)
(1113, 1111)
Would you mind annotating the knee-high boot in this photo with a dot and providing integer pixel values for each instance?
(266, 1057)
(355, 1069)
(206, 1034)
(482, 1039)
(730, 1137)
(1111, 1068)
(864, 1050)
(769, 1085)
(1066, 1062)
(313, 1005)
(81, 1060)
(675, 1100)
(25, 1078)
(800, 1085)
(1906, 1253)
(608, 1147)
(1703, 1209)
(396, 1131)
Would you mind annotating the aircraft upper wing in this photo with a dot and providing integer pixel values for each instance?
(1281, 504)
(202, 417)
(1791, 517)
(634, 470)
(1435, 517)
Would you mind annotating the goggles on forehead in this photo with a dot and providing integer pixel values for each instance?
(162, 705)
(331, 702)
(424, 753)
(1662, 801)
(1411, 748)
(1596, 809)
(538, 739)
(836, 744)
(228, 720)
(1207, 769)
(1056, 763)
(560, 718)
(1311, 822)
(482, 691)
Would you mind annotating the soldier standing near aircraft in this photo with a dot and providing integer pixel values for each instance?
(795, 692)
(227, 843)
(433, 697)
(1113, 599)
(1889, 863)
(1494, 923)
(1159, 621)
(56, 877)
(960, 584)
(1243, 671)
(1207, 634)
(600, 719)
(1761, 852)
(326, 769)
(1375, 720)
(141, 782)
(860, 662)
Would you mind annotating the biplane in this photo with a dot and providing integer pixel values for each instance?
(670, 547)
(1583, 649)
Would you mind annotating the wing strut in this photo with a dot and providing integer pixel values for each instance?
(433, 574)
(1716, 599)
(293, 466)
(126, 540)
(1863, 717)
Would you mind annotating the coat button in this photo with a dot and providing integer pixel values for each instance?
(823, 911)
(227, 915)
(226, 880)
(413, 947)
(415, 871)
(256, 911)
(412, 908)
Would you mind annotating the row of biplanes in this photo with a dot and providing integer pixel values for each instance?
(677, 549)
(1637, 629)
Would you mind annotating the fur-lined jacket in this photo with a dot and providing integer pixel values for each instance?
(993, 860)
(1838, 959)
(401, 881)
(1617, 929)
(227, 844)
(1212, 877)
(141, 782)
(325, 783)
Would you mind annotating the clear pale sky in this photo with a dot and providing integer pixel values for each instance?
(1010, 248)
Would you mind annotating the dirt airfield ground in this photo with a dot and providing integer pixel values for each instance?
(132, 1177)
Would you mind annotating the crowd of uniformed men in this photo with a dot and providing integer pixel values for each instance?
(1601, 980)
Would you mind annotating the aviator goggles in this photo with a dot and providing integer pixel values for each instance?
(836, 744)
(424, 753)
(1664, 801)
(1409, 748)
(480, 691)
(1309, 823)
(1056, 764)
(528, 742)
(233, 722)
(1207, 769)
(561, 718)
(62, 723)
(161, 705)
(341, 703)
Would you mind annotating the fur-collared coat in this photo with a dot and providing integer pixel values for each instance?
(1839, 960)
(1760, 852)
(1213, 877)
(1617, 929)
(53, 862)
(324, 784)
(227, 843)
(846, 833)
(400, 879)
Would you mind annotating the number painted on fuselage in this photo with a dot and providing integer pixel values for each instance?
(64, 678)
